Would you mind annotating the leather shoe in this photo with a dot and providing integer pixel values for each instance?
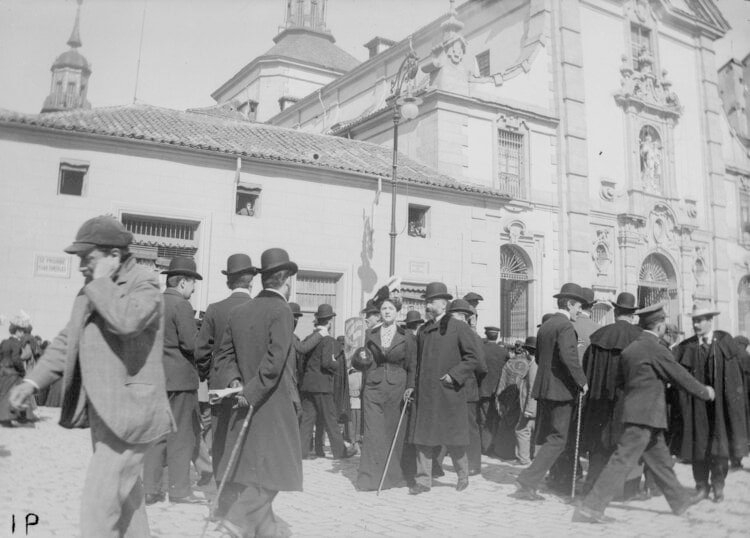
(583, 514)
(462, 484)
(437, 472)
(205, 479)
(416, 489)
(187, 499)
(524, 493)
(695, 498)
(153, 498)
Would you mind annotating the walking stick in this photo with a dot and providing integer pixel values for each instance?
(230, 464)
(578, 437)
(393, 445)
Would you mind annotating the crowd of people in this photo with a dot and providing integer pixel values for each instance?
(402, 391)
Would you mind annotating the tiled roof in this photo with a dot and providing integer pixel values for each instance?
(241, 138)
(312, 48)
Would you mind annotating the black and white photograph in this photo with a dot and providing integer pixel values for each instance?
(374, 268)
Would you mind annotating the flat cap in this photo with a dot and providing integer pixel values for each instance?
(102, 231)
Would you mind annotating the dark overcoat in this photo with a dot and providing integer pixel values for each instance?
(647, 366)
(439, 415)
(180, 331)
(209, 337)
(257, 349)
(560, 376)
(320, 367)
(726, 435)
(495, 356)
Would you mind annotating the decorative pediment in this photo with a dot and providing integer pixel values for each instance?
(642, 89)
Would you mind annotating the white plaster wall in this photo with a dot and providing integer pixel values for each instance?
(480, 150)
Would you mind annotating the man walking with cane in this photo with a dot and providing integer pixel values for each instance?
(557, 386)
(257, 354)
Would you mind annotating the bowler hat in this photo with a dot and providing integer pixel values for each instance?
(649, 314)
(703, 312)
(412, 316)
(325, 311)
(238, 264)
(460, 305)
(590, 297)
(296, 310)
(276, 259)
(181, 265)
(436, 290)
(545, 317)
(530, 342)
(570, 290)
(491, 329)
(102, 231)
(370, 308)
(471, 296)
(625, 301)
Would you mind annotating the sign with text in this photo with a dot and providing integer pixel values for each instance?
(52, 265)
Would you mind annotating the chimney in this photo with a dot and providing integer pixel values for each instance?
(378, 44)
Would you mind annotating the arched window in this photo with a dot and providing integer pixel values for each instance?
(657, 282)
(743, 306)
(515, 276)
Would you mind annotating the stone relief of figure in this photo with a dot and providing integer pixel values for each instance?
(651, 158)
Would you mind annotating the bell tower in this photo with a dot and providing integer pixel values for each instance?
(70, 75)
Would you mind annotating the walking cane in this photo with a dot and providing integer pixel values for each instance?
(578, 437)
(230, 464)
(393, 445)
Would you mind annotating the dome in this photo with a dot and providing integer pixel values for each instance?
(74, 59)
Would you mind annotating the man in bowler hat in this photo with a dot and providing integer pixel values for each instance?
(239, 274)
(447, 356)
(181, 373)
(316, 389)
(256, 355)
(646, 367)
(556, 387)
(110, 359)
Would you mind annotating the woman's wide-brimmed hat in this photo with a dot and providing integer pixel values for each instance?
(571, 290)
(276, 259)
(181, 265)
(625, 301)
(238, 264)
(436, 290)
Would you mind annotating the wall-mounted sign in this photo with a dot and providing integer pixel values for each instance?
(419, 267)
(52, 265)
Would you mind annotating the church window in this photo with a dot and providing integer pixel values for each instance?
(72, 178)
(511, 162)
(640, 45)
(483, 63)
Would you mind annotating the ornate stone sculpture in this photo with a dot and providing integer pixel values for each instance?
(651, 159)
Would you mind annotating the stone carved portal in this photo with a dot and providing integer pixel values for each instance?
(651, 155)
(657, 282)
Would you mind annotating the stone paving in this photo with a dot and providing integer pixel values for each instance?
(42, 469)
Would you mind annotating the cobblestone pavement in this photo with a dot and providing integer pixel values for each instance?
(42, 469)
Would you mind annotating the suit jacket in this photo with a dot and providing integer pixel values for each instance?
(584, 327)
(320, 366)
(302, 348)
(180, 331)
(495, 356)
(209, 337)
(257, 350)
(110, 354)
(472, 383)
(395, 365)
(646, 367)
(560, 375)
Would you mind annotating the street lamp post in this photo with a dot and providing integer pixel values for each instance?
(404, 105)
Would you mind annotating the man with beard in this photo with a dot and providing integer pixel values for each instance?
(447, 355)
(256, 354)
(601, 362)
(715, 431)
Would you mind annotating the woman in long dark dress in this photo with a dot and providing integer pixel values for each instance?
(12, 371)
(388, 362)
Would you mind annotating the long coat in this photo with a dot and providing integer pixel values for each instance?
(320, 366)
(110, 353)
(726, 435)
(495, 356)
(439, 415)
(180, 331)
(584, 327)
(210, 335)
(257, 349)
(560, 376)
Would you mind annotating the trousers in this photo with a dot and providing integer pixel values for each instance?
(252, 511)
(474, 450)
(524, 431)
(425, 456)
(713, 468)
(553, 424)
(637, 442)
(320, 404)
(112, 504)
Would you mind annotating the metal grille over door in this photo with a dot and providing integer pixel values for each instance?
(514, 294)
(157, 240)
(657, 283)
(743, 305)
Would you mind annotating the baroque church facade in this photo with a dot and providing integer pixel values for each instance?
(554, 140)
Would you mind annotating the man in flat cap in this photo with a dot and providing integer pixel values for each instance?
(558, 382)
(110, 359)
(239, 274)
(256, 354)
(181, 372)
(447, 355)
(473, 299)
(646, 367)
(601, 429)
(714, 431)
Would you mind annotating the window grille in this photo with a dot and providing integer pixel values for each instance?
(510, 163)
(157, 240)
(656, 284)
(603, 314)
(310, 291)
(412, 298)
(514, 295)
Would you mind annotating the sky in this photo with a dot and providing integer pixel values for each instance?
(191, 47)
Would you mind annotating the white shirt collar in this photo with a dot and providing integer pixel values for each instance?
(567, 314)
(241, 290)
(277, 292)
